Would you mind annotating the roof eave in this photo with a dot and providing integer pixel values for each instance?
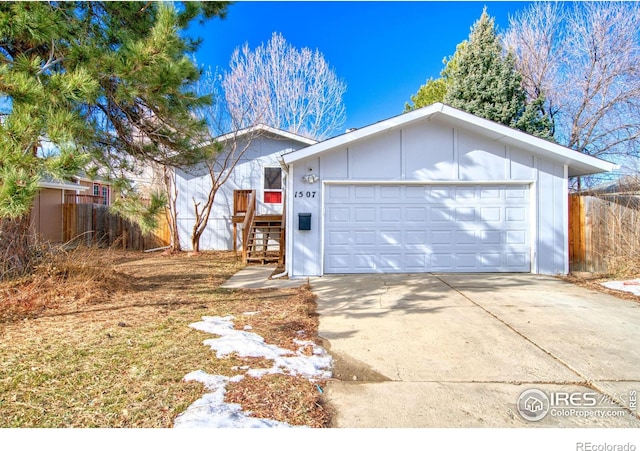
(63, 186)
(578, 163)
(262, 128)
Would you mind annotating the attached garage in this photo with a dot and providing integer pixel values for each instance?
(434, 190)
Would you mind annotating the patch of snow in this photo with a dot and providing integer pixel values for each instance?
(631, 286)
(248, 327)
(211, 410)
(250, 313)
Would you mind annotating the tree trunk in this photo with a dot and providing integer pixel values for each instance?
(195, 242)
(16, 246)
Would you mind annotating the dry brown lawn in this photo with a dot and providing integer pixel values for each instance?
(100, 338)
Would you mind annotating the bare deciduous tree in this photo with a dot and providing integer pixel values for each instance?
(227, 150)
(276, 85)
(584, 58)
(230, 136)
(286, 88)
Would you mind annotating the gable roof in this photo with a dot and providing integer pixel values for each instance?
(578, 163)
(261, 129)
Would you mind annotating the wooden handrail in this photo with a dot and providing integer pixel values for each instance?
(247, 224)
(241, 200)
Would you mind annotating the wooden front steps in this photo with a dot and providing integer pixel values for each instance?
(265, 239)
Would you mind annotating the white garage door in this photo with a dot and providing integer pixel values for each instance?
(417, 228)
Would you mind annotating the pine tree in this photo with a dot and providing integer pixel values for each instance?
(485, 82)
(93, 86)
(435, 90)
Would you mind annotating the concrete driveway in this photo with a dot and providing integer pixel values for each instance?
(444, 350)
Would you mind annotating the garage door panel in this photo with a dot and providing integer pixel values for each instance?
(337, 192)
(463, 237)
(438, 193)
(416, 261)
(390, 193)
(491, 193)
(516, 192)
(490, 261)
(364, 263)
(337, 263)
(416, 192)
(516, 237)
(490, 214)
(490, 237)
(393, 262)
(364, 237)
(339, 237)
(390, 238)
(518, 260)
(365, 215)
(441, 261)
(440, 214)
(441, 237)
(466, 261)
(465, 193)
(441, 228)
(415, 237)
(390, 214)
(365, 192)
(515, 214)
(338, 214)
(465, 214)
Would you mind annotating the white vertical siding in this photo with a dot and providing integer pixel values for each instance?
(306, 253)
(195, 183)
(433, 151)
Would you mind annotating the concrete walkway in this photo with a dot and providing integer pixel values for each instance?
(458, 350)
(257, 277)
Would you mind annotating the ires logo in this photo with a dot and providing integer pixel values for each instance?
(534, 404)
(563, 399)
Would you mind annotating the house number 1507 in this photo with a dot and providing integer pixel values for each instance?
(307, 194)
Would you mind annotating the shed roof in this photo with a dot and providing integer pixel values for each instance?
(578, 163)
(262, 128)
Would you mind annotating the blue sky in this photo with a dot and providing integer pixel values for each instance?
(382, 50)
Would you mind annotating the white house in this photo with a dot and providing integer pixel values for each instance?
(433, 190)
(259, 153)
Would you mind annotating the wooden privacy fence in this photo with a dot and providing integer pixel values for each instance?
(93, 225)
(604, 232)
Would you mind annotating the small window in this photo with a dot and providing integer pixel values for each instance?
(105, 195)
(272, 178)
(273, 197)
(96, 189)
(272, 185)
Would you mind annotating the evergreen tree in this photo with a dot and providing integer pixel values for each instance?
(485, 82)
(432, 91)
(435, 90)
(93, 86)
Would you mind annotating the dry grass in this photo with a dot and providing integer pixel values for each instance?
(294, 400)
(101, 339)
(595, 283)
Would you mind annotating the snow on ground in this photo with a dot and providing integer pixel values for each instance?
(632, 286)
(211, 411)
